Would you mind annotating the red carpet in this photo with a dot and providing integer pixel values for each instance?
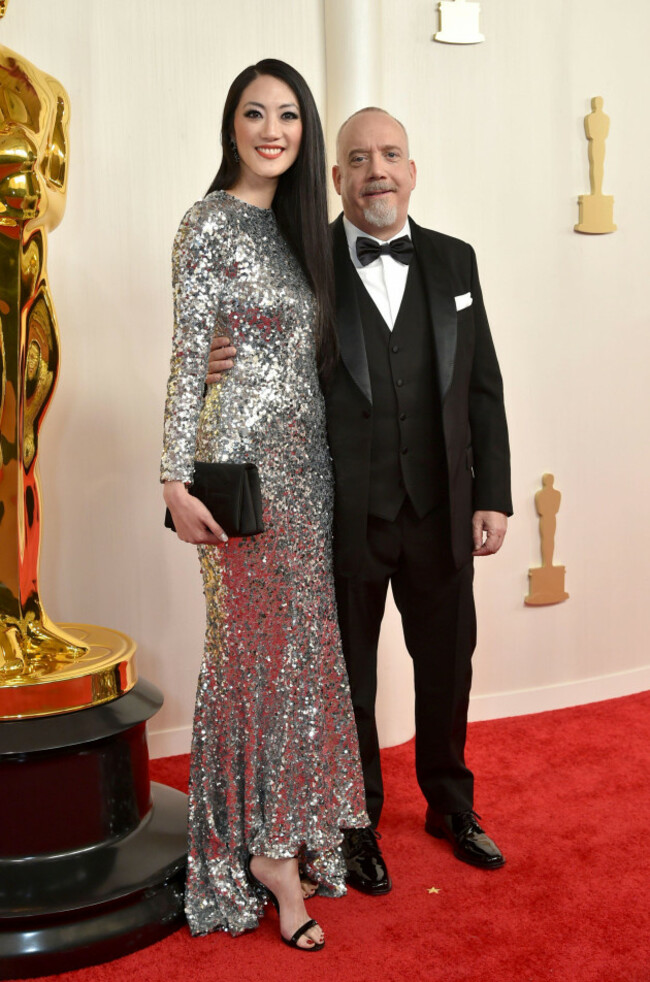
(565, 794)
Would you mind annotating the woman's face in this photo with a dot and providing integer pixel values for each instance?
(267, 129)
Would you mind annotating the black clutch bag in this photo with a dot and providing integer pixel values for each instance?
(231, 493)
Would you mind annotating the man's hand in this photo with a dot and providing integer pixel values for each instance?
(495, 525)
(220, 359)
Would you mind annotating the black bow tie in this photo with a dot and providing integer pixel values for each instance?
(400, 249)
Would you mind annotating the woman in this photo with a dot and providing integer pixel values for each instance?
(275, 771)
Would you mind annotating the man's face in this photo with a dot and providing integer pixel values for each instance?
(374, 175)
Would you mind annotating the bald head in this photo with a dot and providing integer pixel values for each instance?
(360, 112)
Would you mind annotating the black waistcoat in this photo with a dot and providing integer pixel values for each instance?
(407, 450)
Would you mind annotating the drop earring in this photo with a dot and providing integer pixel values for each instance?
(235, 151)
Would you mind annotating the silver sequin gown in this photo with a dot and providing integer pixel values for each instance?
(274, 768)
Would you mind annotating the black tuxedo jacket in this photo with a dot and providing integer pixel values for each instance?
(470, 388)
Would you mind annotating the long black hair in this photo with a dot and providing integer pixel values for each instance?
(300, 200)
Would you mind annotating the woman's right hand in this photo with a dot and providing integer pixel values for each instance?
(193, 521)
(220, 359)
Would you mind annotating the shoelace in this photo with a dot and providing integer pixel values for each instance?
(360, 838)
(472, 820)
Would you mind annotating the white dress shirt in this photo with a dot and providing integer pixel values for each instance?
(384, 278)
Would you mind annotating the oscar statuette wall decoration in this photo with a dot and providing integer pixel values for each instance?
(92, 855)
(546, 582)
(596, 210)
(459, 22)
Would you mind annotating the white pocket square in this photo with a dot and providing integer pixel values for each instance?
(464, 300)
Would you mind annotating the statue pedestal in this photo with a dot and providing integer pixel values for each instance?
(459, 22)
(596, 214)
(54, 685)
(546, 586)
(92, 856)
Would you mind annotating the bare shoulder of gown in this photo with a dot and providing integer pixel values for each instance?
(274, 768)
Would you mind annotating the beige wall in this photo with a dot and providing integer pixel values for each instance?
(496, 130)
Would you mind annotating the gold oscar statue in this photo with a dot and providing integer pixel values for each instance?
(547, 581)
(92, 852)
(43, 667)
(596, 210)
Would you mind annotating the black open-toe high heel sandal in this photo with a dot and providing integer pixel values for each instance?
(293, 941)
(264, 892)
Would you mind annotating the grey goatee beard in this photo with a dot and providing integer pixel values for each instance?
(381, 213)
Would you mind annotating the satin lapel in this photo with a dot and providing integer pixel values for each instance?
(348, 318)
(442, 305)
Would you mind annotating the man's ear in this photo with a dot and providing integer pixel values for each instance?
(336, 178)
(414, 173)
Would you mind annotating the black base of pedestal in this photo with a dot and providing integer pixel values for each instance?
(100, 904)
(115, 883)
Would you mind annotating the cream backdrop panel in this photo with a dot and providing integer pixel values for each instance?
(496, 130)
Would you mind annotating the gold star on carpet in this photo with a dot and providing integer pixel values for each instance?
(433, 890)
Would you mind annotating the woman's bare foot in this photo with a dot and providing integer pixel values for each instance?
(282, 878)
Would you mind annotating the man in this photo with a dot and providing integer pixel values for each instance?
(419, 440)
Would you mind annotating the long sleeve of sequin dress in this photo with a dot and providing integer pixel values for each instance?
(274, 767)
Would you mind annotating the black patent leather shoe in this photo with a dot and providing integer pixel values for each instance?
(366, 865)
(470, 842)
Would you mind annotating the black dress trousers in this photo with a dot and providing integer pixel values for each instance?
(436, 603)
